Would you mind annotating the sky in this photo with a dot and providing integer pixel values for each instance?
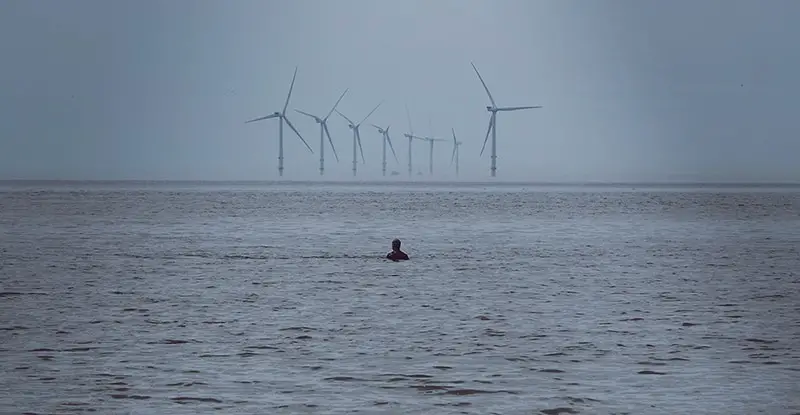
(632, 90)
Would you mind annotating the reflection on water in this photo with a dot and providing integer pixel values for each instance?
(276, 300)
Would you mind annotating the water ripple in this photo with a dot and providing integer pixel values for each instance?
(277, 300)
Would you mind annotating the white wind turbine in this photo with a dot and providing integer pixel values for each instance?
(323, 130)
(430, 140)
(410, 136)
(456, 144)
(357, 136)
(494, 109)
(282, 116)
(385, 134)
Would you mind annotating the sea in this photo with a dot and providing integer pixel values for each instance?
(275, 298)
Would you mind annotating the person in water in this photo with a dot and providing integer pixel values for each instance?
(396, 254)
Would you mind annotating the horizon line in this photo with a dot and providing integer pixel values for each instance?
(489, 182)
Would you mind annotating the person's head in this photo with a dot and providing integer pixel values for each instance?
(396, 244)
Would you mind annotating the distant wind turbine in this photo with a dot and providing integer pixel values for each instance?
(282, 116)
(357, 137)
(454, 157)
(493, 121)
(323, 130)
(410, 136)
(385, 134)
(430, 140)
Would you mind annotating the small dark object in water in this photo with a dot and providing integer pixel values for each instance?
(397, 254)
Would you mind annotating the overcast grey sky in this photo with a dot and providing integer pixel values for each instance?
(631, 89)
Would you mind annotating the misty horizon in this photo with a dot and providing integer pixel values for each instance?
(111, 91)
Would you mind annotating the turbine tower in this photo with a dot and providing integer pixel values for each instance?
(430, 140)
(357, 137)
(282, 117)
(410, 136)
(385, 134)
(323, 130)
(456, 144)
(494, 109)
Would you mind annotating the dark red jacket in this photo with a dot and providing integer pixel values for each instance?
(397, 256)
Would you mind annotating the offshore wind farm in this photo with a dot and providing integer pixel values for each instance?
(357, 143)
(197, 207)
(617, 106)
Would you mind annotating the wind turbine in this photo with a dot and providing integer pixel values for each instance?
(323, 130)
(282, 116)
(410, 136)
(456, 144)
(494, 109)
(430, 140)
(357, 136)
(385, 133)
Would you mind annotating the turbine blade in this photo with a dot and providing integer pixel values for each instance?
(518, 108)
(370, 113)
(286, 105)
(491, 123)
(307, 114)
(343, 116)
(484, 84)
(358, 138)
(377, 126)
(298, 134)
(328, 133)
(263, 118)
(389, 140)
(336, 104)
(455, 146)
(408, 115)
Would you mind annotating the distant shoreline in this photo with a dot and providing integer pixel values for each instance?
(420, 183)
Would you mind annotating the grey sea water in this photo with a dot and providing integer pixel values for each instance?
(150, 298)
